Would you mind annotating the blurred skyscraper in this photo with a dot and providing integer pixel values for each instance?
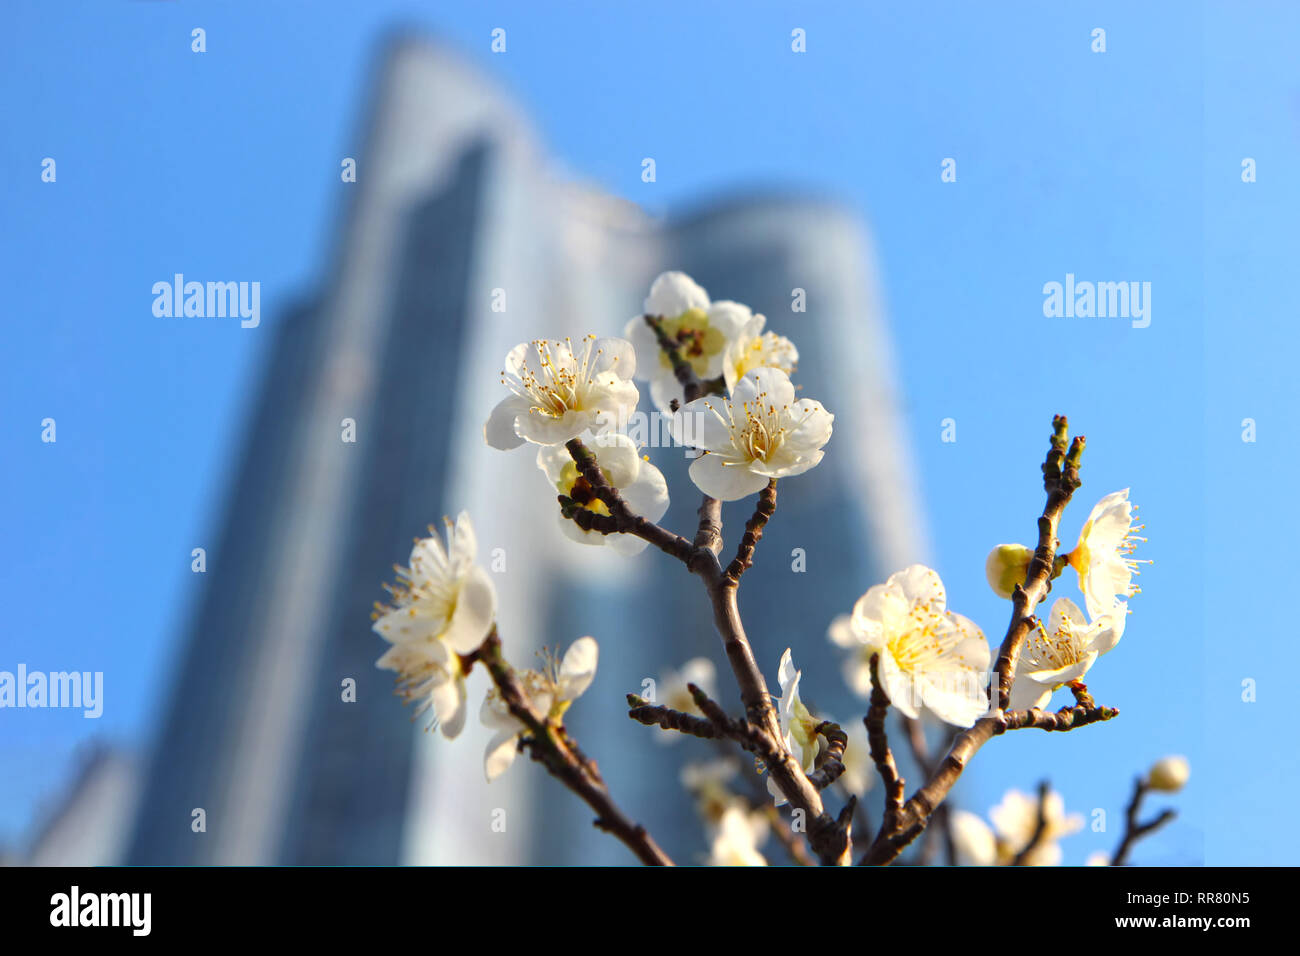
(455, 200)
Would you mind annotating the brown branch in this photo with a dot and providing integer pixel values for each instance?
(1133, 830)
(878, 738)
(763, 512)
(654, 715)
(1060, 481)
(760, 731)
(620, 519)
(920, 748)
(709, 534)
(547, 742)
(1040, 828)
(830, 766)
(682, 369)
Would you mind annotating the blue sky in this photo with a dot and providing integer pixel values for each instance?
(1123, 165)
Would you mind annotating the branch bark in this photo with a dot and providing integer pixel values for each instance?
(1133, 830)
(549, 744)
(1060, 481)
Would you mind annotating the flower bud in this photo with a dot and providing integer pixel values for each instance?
(1006, 567)
(1169, 774)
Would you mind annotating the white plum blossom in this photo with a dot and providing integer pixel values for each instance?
(443, 606)
(702, 330)
(1015, 821)
(928, 656)
(708, 782)
(739, 835)
(640, 483)
(973, 840)
(1101, 557)
(857, 666)
(1169, 774)
(1063, 651)
(753, 348)
(797, 725)
(558, 392)
(760, 433)
(549, 691)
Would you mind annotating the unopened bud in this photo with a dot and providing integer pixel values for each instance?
(1169, 774)
(1007, 566)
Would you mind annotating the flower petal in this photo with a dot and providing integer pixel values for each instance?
(499, 431)
(501, 750)
(725, 480)
(476, 608)
(578, 669)
(673, 293)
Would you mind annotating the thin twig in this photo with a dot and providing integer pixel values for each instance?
(1040, 828)
(1060, 481)
(878, 738)
(547, 742)
(763, 512)
(1133, 830)
(920, 747)
(830, 765)
(655, 715)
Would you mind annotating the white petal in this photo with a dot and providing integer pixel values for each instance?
(841, 632)
(448, 699)
(788, 465)
(673, 293)
(651, 361)
(731, 318)
(618, 458)
(1054, 677)
(615, 355)
(476, 608)
(1063, 609)
(552, 460)
(463, 545)
(857, 674)
(538, 427)
(1027, 693)
(405, 625)
(663, 389)
(898, 685)
(499, 430)
(704, 423)
(726, 482)
(494, 715)
(786, 674)
(921, 585)
(500, 754)
(955, 696)
(648, 494)
(973, 839)
(879, 612)
(814, 425)
(1108, 629)
(772, 384)
(578, 669)
(972, 650)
